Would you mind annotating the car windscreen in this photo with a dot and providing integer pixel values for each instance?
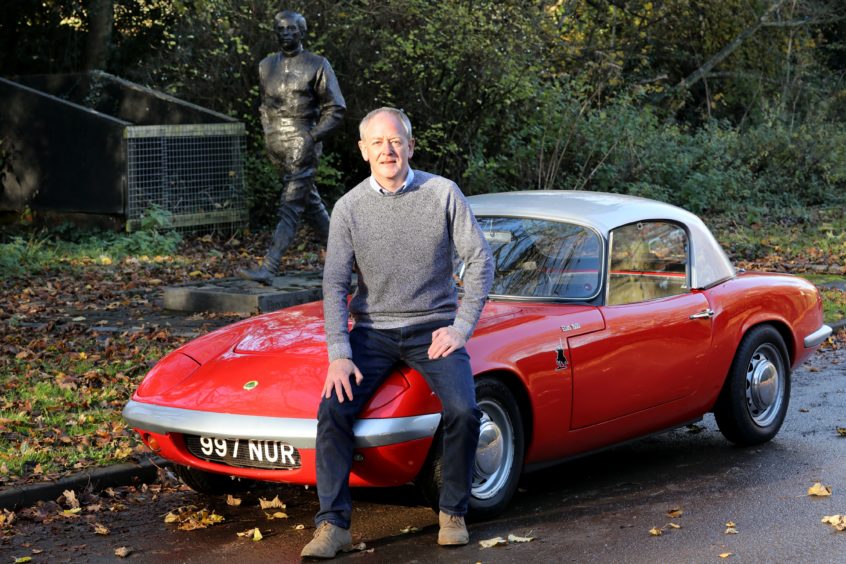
(537, 258)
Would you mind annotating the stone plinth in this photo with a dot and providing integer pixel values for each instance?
(241, 296)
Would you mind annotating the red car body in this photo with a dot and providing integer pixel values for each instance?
(584, 367)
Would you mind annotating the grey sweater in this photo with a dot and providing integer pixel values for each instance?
(401, 249)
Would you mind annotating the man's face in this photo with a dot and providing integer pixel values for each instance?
(289, 35)
(387, 148)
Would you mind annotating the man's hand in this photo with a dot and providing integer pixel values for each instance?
(338, 378)
(444, 341)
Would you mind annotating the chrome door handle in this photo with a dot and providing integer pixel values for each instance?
(704, 314)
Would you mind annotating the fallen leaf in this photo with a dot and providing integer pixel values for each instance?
(673, 526)
(836, 521)
(819, 490)
(675, 512)
(7, 518)
(71, 512)
(101, 529)
(276, 515)
(70, 498)
(23, 559)
(731, 531)
(232, 500)
(841, 431)
(656, 532)
(360, 547)
(731, 524)
(299, 527)
(496, 541)
(273, 503)
(515, 538)
(725, 554)
(123, 551)
(409, 529)
(253, 534)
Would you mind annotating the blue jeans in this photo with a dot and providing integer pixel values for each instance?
(375, 353)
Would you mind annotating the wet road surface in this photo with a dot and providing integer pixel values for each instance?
(596, 509)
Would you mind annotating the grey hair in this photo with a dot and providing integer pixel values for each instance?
(296, 16)
(399, 114)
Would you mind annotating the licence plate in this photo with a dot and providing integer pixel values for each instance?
(246, 453)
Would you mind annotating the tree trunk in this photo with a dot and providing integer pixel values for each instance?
(98, 43)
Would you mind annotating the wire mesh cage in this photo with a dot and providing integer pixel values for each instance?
(194, 172)
(93, 143)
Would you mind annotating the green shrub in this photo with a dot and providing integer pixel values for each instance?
(571, 142)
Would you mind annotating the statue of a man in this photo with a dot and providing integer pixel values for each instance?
(301, 105)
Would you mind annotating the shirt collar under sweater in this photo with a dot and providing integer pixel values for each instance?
(409, 179)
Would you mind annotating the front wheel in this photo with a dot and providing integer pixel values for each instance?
(499, 454)
(753, 402)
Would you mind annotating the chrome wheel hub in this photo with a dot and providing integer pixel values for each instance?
(764, 385)
(494, 452)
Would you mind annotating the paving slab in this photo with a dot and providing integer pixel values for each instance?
(837, 285)
(244, 296)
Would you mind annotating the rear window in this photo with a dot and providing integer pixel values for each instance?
(536, 258)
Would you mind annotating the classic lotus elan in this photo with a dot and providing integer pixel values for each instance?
(610, 318)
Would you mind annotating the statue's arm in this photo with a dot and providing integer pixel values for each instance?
(331, 102)
(265, 120)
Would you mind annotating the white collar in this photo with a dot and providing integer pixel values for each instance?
(408, 180)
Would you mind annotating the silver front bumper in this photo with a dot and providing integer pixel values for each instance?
(817, 336)
(300, 433)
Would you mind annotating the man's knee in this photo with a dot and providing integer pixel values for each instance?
(333, 414)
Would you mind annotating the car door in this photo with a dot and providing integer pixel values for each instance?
(654, 348)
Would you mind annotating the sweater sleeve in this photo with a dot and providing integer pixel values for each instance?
(337, 277)
(474, 251)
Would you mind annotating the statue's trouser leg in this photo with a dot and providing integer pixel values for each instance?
(297, 162)
(316, 215)
(295, 197)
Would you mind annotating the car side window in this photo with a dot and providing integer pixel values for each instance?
(648, 260)
(537, 258)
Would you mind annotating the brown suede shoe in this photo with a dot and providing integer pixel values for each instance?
(453, 531)
(328, 540)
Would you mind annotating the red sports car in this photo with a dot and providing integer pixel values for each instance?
(611, 317)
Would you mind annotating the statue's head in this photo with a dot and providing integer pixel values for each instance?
(290, 28)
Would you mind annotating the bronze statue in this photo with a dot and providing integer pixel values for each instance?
(301, 105)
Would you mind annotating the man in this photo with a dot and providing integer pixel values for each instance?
(301, 104)
(398, 231)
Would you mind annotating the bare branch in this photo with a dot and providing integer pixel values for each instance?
(721, 55)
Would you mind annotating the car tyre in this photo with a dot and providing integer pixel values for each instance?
(499, 456)
(753, 402)
(210, 483)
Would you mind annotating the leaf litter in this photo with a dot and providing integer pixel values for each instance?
(190, 518)
(89, 328)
